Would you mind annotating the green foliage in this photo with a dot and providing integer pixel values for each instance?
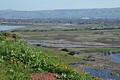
(72, 53)
(19, 60)
(64, 49)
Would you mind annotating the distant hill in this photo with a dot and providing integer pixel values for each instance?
(109, 13)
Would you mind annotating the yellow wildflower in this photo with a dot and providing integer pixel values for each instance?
(85, 73)
(11, 59)
(66, 67)
(25, 66)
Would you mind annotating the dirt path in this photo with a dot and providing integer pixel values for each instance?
(46, 76)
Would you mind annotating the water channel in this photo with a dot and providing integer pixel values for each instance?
(104, 74)
(3, 28)
(115, 56)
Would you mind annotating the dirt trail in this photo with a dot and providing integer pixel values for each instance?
(46, 76)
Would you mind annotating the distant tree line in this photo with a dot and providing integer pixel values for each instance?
(104, 22)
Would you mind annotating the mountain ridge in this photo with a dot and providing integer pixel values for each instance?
(109, 13)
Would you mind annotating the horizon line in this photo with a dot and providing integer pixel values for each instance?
(58, 9)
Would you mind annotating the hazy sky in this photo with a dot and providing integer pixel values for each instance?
(57, 4)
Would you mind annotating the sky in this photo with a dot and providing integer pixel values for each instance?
(32, 5)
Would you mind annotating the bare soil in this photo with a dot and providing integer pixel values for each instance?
(46, 76)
